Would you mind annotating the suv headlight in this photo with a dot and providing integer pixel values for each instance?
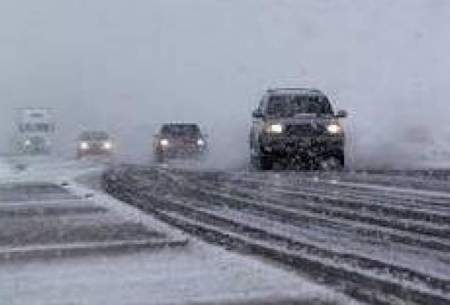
(164, 142)
(84, 145)
(334, 128)
(274, 128)
(200, 142)
(107, 145)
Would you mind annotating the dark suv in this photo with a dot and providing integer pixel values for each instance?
(180, 141)
(297, 126)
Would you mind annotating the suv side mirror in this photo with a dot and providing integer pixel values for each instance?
(257, 114)
(341, 114)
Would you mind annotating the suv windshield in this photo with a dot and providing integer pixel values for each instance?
(290, 105)
(180, 130)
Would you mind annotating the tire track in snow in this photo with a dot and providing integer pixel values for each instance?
(215, 223)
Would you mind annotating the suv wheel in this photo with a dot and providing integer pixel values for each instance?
(331, 163)
(262, 163)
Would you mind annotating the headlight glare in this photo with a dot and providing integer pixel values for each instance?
(107, 145)
(84, 145)
(274, 128)
(334, 128)
(164, 142)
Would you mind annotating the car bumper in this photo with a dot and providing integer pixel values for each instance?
(297, 146)
(94, 152)
(189, 152)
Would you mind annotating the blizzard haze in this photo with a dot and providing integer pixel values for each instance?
(127, 66)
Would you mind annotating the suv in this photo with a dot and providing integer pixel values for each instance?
(95, 143)
(179, 140)
(297, 126)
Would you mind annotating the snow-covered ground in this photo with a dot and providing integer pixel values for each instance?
(44, 168)
(5, 168)
(196, 273)
(384, 232)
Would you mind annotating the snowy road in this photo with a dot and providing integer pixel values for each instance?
(63, 241)
(383, 238)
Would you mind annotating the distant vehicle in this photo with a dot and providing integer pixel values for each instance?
(95, 143)
(179, 141)
(297, 126)
(35, 129)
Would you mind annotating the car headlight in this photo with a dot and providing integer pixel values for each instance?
(334, 128)
(274, 128)
(107, 145)
(84, 145)
(164, 142)
(200, 142)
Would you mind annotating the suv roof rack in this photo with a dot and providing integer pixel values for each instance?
(179, 124)
(299, 90)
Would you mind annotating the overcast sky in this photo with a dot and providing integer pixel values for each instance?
(127, 66)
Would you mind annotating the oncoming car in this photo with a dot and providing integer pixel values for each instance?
(95, 143)
(179, 140)
(297, 126)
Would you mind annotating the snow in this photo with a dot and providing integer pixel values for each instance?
(5, 168)
(382, 188)
(431, 262)
(349, 231)
(200, 274)
(197, 272)
(44, 169)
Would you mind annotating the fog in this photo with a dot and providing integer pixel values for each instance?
(128, 66)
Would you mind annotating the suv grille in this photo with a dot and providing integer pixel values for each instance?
(305, 130)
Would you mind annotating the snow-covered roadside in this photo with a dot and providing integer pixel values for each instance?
(205, 275)
(44, 169)
(197, 273)
(5, 168)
